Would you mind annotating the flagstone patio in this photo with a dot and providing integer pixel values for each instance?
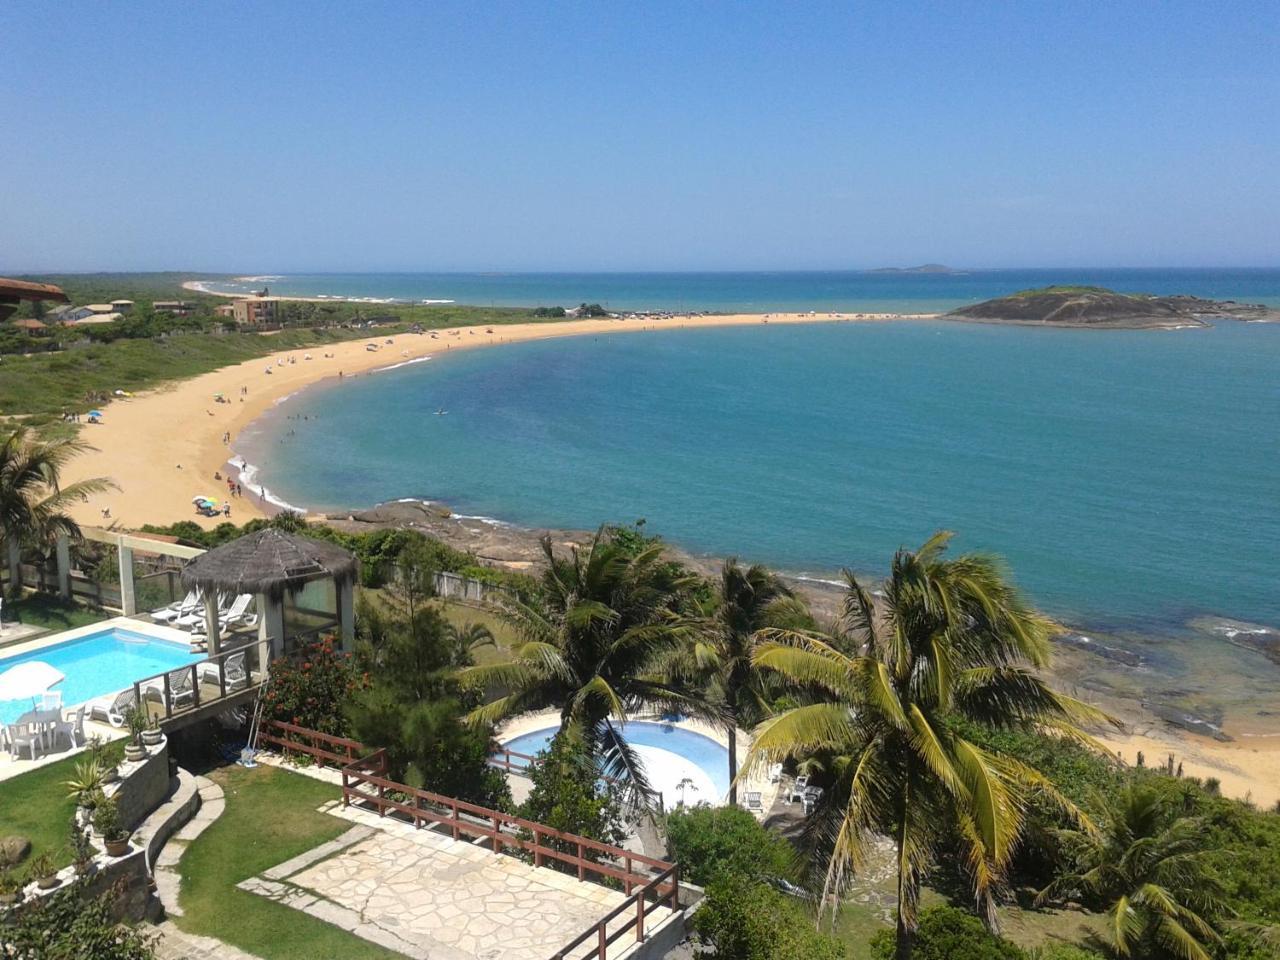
(426, 895)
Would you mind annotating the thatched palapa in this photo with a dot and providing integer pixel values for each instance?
(269, 562)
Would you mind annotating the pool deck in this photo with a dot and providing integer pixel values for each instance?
(10, 767)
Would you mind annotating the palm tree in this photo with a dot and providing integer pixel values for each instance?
(1147, 868)
(887, 695)
(747, 600)
(32, 503)
(592, 647)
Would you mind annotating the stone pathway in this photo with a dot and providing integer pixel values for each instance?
(177, 944)
(429, 896)
(165, 869)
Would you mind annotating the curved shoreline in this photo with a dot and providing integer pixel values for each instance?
(164, 446)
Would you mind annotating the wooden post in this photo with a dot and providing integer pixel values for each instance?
(128, 603)
(211, 623)
(63, 550)
(640, 918)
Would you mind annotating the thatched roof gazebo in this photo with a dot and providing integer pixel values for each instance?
(270, 564)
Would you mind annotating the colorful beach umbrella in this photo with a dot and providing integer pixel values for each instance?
(95, 413)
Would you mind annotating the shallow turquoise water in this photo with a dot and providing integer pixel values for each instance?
(1129, 477)
(98, 664)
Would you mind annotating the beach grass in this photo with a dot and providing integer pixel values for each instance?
(270, 817)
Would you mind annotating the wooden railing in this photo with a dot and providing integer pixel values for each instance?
(323, 747)
(501, 760)
(504, 831)
(637, 907)
(179, 691)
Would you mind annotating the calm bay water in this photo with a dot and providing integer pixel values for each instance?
(1128, 477)
(757, 292)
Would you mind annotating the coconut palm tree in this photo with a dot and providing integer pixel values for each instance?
(32, 503)
(1146, 867)
(592, 647)
(952, 642)
(718, 658)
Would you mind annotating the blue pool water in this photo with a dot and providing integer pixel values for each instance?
(658, 744)
(99, 663)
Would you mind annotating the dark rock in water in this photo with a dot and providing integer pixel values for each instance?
(1184, 719)
(1115, 654)
(1097, 307)
(13, 850)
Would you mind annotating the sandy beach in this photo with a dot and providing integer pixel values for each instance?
(163, 447)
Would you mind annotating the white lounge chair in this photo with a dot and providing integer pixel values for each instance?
(196, 617)
(181, 688)
(775, 773)
(232, 668)
(179, 608)
(51, 700)
(111, 708)
(798, 788)
(755, 803)
(236, 614)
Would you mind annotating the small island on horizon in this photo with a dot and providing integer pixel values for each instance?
(936, 268)
(1100, 308)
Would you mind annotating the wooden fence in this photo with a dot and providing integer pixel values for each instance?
(322, 747)
(647, 883)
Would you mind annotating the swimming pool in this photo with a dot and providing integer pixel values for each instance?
(671, 755)
(100, 662)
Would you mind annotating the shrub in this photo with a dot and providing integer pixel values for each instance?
(946, 933)
(64, 926)
(312, 688)
(746, 920)
(712, 841)
(1065, 951)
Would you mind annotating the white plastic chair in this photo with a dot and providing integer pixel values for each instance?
(72, 726)
(51, 700)
(798, 788)
(181, 608)
(233, 668)
(24, 734)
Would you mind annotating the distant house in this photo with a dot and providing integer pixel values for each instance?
(121, 306)
(255, 311)
(178, 308)
(100, 308)
(225, 310)
(97, 318)
(30, 326)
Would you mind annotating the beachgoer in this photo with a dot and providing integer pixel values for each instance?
(217, 474)
(106, 513)
(239, 491)
(226, 510)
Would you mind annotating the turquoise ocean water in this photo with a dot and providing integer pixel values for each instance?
(1130, 478)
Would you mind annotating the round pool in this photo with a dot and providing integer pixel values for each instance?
(672, 757)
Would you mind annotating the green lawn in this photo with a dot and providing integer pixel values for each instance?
(460, 614)
(43, 610)
(36, 806)
(270, 817)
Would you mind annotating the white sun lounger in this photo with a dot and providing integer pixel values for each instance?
(181, 608)
(237, 613)
(196, 617)
(111, 708)
(232, 668)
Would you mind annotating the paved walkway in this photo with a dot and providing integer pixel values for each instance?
(177, 944)
(429, 896)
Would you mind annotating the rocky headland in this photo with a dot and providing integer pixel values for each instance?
(1100, 308)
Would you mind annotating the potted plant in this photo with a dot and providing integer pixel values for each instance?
(44, 872)
(136, 720)
(81, 849)
(151, 734)
(106, 820)
(86, 786)
(97, 749)
(10, 888)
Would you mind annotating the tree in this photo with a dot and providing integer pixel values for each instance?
(747, 600)
(413, 707)
(592, 646)
(949, 934)
(566, 794)
(954, 641)
(1147, 867)
(711, 841)
(743, 919)
(33, 505)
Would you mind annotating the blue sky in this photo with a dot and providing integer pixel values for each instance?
(595, 136)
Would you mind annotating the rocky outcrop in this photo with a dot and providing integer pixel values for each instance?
(1097, 307)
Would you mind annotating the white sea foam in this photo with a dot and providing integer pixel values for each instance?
(822, 580)
(402, 363)
(247, 477)
(491, 521)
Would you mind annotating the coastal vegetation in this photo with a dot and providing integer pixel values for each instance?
(1098, 307)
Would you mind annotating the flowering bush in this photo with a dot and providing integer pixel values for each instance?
(311, 688)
